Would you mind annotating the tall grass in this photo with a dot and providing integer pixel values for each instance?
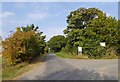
(11, 72)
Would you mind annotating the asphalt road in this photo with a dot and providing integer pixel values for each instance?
(55, 68)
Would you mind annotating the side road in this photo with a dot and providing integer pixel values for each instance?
(55, 68)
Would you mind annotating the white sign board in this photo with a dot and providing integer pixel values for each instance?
(80, 49)
(49, 49)
(102, 44)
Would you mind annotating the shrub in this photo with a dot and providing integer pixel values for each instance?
(22, 46)
(111, 53)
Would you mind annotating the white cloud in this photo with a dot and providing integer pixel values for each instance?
(52, 31)
(0, 19)
(0, 31)
(6, 14)
(108, 14)
(37, 16)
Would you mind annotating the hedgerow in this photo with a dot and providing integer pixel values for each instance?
(23, 45)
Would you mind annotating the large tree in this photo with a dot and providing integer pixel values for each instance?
(87, 28)
(79, 18)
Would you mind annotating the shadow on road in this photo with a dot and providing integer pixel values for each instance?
(49, 57)
(58, 69)
(83, 74)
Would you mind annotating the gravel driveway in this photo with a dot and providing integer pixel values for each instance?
(55, 68)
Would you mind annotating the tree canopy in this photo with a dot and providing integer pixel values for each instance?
(56, 43)
(87, 28)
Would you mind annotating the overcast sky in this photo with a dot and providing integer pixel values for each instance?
(49, 16)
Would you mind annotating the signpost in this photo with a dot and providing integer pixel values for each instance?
(79, 50)
(49, 49)
(102, 44)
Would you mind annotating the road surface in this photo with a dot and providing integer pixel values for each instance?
(55, 68)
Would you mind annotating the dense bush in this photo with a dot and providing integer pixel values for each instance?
(23, 46)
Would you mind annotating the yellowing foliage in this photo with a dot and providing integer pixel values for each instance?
(22, 46)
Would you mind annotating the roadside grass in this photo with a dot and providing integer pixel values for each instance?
(66, 55)
(12, 72)
(71, 56)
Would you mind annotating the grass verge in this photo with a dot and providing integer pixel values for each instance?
(12, 72)
(66, 55)
(71, 56)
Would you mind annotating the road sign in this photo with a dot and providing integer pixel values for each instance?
(102, 44)
(80, 49)
(48, 49)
